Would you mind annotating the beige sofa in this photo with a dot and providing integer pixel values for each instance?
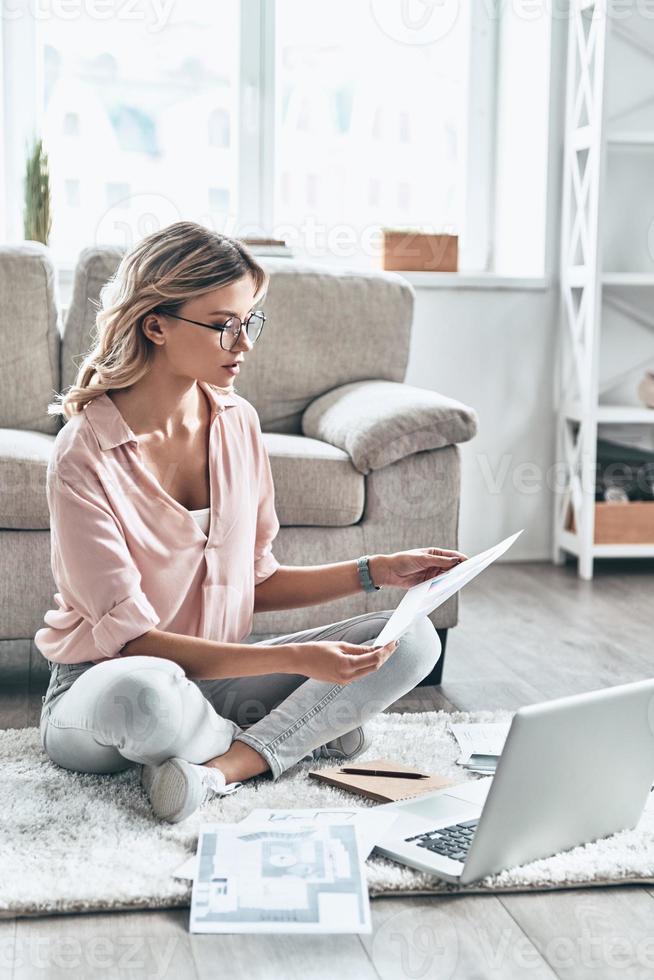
(362, 462)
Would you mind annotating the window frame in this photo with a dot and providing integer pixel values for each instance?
(256, 126)
(480, 146)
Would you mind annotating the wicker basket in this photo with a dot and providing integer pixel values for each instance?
(617, 523)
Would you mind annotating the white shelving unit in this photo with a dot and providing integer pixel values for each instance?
(589, 287)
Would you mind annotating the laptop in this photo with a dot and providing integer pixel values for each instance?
(572, 770)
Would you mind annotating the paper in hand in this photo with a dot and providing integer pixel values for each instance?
(427, 596)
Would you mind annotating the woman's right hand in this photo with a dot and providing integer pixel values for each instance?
(338, 662)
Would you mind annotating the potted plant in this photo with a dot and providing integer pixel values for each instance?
(37, 217)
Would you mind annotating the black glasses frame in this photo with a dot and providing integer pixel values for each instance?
(222, 327)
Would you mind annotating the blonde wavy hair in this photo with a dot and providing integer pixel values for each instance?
(161, 272)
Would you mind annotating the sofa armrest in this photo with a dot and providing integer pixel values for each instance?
(380, 422)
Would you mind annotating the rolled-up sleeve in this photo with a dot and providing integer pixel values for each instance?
(92, 563)
(265, 562)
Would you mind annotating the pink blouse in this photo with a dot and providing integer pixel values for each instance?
(126, 556)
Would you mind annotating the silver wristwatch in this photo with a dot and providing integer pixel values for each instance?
(363, 569)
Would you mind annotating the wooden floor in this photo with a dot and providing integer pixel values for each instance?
(527, 632)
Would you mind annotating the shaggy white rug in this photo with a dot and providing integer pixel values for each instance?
(73, 842)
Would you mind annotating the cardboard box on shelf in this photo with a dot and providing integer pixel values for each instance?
(406, 250)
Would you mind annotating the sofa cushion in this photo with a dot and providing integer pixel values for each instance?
(315, 483)
(379, 422)
(29, 338)
(24, 458)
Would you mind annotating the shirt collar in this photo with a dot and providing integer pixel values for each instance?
(112, 430)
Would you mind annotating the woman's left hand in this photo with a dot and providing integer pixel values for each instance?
(409, 568)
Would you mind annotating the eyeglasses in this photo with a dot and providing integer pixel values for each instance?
(230, 330)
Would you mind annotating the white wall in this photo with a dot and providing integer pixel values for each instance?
(493, 350)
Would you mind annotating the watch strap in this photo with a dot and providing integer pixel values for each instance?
(365, 578)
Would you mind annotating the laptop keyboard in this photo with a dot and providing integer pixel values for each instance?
(452, 842)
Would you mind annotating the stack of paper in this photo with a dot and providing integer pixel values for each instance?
(481, 745)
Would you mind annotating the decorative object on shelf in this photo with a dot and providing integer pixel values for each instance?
(616, 495)
(410, 250)
(37, 215)
(623, 472)
(646, 389)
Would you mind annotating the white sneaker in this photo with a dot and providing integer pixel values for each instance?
(177, 788)
(346, 746)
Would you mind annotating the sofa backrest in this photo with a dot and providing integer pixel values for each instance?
(30, 338)
(324, 328)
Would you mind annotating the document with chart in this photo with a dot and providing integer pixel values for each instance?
(258, 877)
(424, 598)
(372, 823)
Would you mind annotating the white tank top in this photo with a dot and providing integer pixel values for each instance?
(202, 518)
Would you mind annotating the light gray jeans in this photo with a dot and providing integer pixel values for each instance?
(109, 716)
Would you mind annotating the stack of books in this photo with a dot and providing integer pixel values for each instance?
(268, 246)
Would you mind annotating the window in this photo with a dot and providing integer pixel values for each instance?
(385, 119)
(404, 196)
(219, 129)
(404, 128)
(71, 124)
(286, 187)
(71, 192)
(130, 106)
(377, 116)
(117, 195)
(218, 199)
(311, 195)
(316, 122)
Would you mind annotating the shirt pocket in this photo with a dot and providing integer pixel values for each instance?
(226, 617)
